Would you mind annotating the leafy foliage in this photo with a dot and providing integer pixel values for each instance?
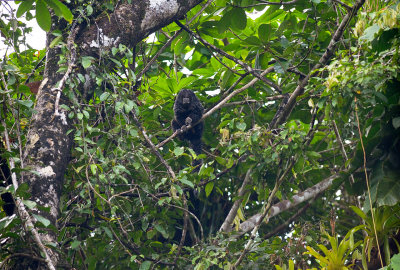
(336, 257)
(121, 207)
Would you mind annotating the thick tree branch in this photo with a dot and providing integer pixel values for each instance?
(282, 226)
(130, 23)
(287, 204)
(232, 213)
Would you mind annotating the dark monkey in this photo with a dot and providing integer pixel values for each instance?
(5, 180)
(188, 110)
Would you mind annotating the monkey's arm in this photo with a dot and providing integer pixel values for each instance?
(195, 114)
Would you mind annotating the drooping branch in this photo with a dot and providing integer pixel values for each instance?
(266, 210)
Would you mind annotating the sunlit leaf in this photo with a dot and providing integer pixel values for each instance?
(43, 17)
(24, 7)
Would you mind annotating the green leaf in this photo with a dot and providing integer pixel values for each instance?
(75, 244)
(104, 96)
(43, 17)
(89, 10)
(181, 43)
(86, 61)
(145, 265)
(42, 220)
(387, 189)
(395, 262)
(129, 105)
(184, 180)
(252, 40)
(161, 230)
(224, 23)
(29, 204)
(93, 168)
(26, 103)
(55, 8)
(358, 211)
(55, 41)
(108, 232)
(265, 32)
(241, 126)
(209, 187)
(24, 7)
(369, 33)
(178, 151)
(220, 160)
(239, 18)
(65, 12)
(313, 154)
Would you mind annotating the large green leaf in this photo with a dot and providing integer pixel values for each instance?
(238, 18)
(265, 32)
(43, 17)
(24, 7)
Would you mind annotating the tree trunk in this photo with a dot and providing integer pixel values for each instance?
(48, 146)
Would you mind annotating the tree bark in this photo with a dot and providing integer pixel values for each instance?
(48, 146)
(282, 206)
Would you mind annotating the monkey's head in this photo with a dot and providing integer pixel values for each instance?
(186, 98)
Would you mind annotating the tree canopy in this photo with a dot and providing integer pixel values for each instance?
(300, 160)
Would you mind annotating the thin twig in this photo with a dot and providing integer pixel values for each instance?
(153, 148)
(71, 63)
(246, 67)
(148, 65)
(367, 181)
(184, 230)
(235, 103)
(279, 181)
(344, 154)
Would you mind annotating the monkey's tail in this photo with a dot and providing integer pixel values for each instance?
(196, 145)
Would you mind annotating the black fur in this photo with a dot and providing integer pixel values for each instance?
(5, 180)
(188, 110)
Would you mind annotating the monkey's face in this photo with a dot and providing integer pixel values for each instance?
(185, 98)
